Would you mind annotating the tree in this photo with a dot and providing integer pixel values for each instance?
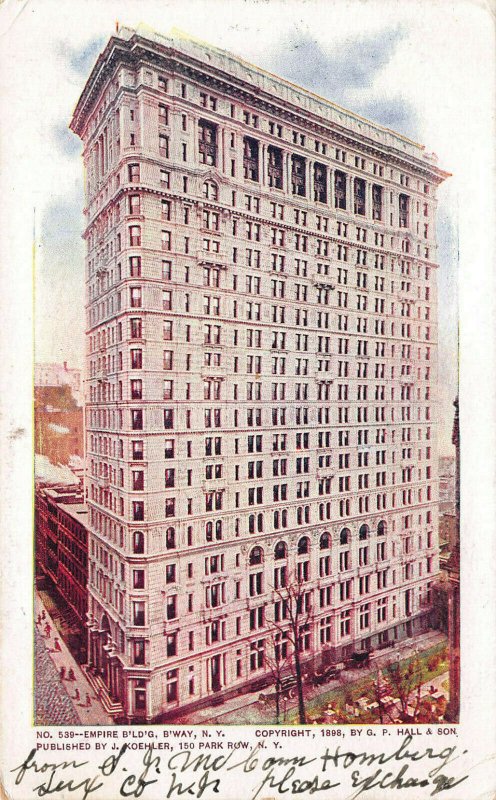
(279, 662)
(405, 682)
(290, 626)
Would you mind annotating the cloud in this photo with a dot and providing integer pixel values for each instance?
(396, 113)
(81, 59)
(350, 65)
(67, 143)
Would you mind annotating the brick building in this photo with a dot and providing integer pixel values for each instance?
(261, 372)
(62, 554)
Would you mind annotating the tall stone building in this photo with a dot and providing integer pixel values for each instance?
(261, 372)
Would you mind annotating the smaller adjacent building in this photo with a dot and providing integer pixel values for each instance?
(62, 555)
(60, 375)
(58, 424)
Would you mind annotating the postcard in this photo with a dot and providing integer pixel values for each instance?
(247, 400)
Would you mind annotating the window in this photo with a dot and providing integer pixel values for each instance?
(207, 142)
(133, 173)
(256, 556)
(136, 390)
(138, 542)
(170, 538)
(163, 114)
(135, 297)
(340, 190)
(257, 655)
(138, 651)
(320, 183)
(137, 451)
(275, 167)
(163, 145)
(250, 158)
(280, 550)
(298, 175)
(172, 692)
(137, 419)
(344, 536)
(136, 359)
(139, 614)
(138, 510)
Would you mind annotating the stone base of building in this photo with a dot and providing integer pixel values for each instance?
(388, 638)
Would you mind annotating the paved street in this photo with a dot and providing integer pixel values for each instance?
(67, 700)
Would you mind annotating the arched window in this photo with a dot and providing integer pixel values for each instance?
(251, 523)
(138, 542)
(363, 532)
(284, 518)
(325, 541)
(303, 545)
(344, 536)
(381, 528)
(218, 529)
(170, 538)
(260, 522)
(210, 190)
(280, 550)
(209, 531)
(256, 556)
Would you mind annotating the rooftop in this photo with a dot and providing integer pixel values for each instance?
(223, 65)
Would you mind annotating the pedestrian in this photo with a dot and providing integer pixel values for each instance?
(56, 645)
(38, 619)
(62, 673)
(88, 699)
(77, 696)
(43, 615)
(48, 630)
(71, 675)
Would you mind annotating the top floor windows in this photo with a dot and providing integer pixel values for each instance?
(359, 196)
(298, 176)
(376, 202)
(250, 158)
(339, 189)
(207, 142)
(404, 210)
(320, 183)
(275, 167)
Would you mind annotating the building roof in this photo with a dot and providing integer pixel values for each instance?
(254, 83)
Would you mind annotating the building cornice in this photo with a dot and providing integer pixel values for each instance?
(233, 77)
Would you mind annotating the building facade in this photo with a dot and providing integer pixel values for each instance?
(261, 372)
(62, 553)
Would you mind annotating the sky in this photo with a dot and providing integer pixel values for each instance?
(410, 66)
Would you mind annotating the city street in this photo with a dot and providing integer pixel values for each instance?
(63, 695)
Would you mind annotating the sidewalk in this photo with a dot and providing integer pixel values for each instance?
(78, 690)
(245, 709)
